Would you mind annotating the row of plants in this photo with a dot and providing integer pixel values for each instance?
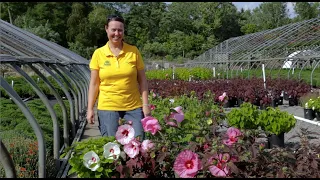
(237, 90)
(187, 137)
(15, 129)
(203, 73)
(24, 89)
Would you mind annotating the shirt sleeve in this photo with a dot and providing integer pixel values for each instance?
(94, 61)
(140, 64)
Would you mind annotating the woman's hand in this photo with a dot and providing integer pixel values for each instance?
(90, 116)
(146, 111)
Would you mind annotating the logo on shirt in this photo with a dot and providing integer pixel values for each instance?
(107, 63)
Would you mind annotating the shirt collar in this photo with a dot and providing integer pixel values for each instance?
(108, 52)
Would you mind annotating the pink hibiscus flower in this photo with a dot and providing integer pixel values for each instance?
(132, 148)
(146, 146)
(152, 107)
(233, 134)
(178, 116)
(187, 164)
(222, 97)
(125, 134)
(220, 168)
(150, 124)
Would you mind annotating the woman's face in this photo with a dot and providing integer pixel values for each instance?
(115, 30)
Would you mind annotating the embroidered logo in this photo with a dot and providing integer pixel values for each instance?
(106, 63)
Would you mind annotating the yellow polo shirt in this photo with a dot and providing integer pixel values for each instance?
(119, 88)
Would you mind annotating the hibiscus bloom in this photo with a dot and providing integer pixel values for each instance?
(222, 97)
(152, 107)
(220, 168)
(150, 124)
(178, 116)
(146, 146)
(187, 164)
(233, 134)
(111, 150)
(90, 158)
(132, 148)
(125, 134)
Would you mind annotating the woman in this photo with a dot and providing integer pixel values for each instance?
(117, 74)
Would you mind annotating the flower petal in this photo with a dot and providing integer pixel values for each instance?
(215, 171)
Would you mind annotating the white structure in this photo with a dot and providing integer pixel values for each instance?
(288, 62)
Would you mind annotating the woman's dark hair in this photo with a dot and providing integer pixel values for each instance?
(114, 18)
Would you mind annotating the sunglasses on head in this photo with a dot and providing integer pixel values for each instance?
(114, 17)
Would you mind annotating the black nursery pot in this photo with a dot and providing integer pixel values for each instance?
(276, 140)
(285, 96)
(309, 114)
(232, 102)
(274, 103)
(227, 104)
(317, 115)
(280, 101)
(293, 101)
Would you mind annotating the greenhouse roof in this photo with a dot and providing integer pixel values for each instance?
(24, 45)
(269, 44)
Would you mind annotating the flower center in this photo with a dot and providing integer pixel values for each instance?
(189, 164)
(125, 132)
(232, 139)
(111, 150)
(93, 159)
(219, 165)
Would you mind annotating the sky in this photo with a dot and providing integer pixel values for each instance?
(252, 5)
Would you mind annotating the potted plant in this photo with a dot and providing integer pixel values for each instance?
(315, 105)
(244, 117)
(276, 123)
(307, 101)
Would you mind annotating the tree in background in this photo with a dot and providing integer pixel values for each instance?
(172, 31)
(306, 10)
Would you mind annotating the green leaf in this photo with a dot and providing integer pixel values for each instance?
(100, 169)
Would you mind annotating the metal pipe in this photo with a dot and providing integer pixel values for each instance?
(78, 74)
(64, 89)
(313, 71)
(303, 67)
(75, 110)
(34, 124)
(43, 97)
(307, 120)
(77, 87)
(60, 102)
(292, 67)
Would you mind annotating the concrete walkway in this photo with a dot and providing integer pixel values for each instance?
(92, 130)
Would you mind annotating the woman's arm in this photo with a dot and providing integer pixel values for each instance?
(92, 94)
(144, 92)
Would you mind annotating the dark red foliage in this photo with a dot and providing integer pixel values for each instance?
(249, 90)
